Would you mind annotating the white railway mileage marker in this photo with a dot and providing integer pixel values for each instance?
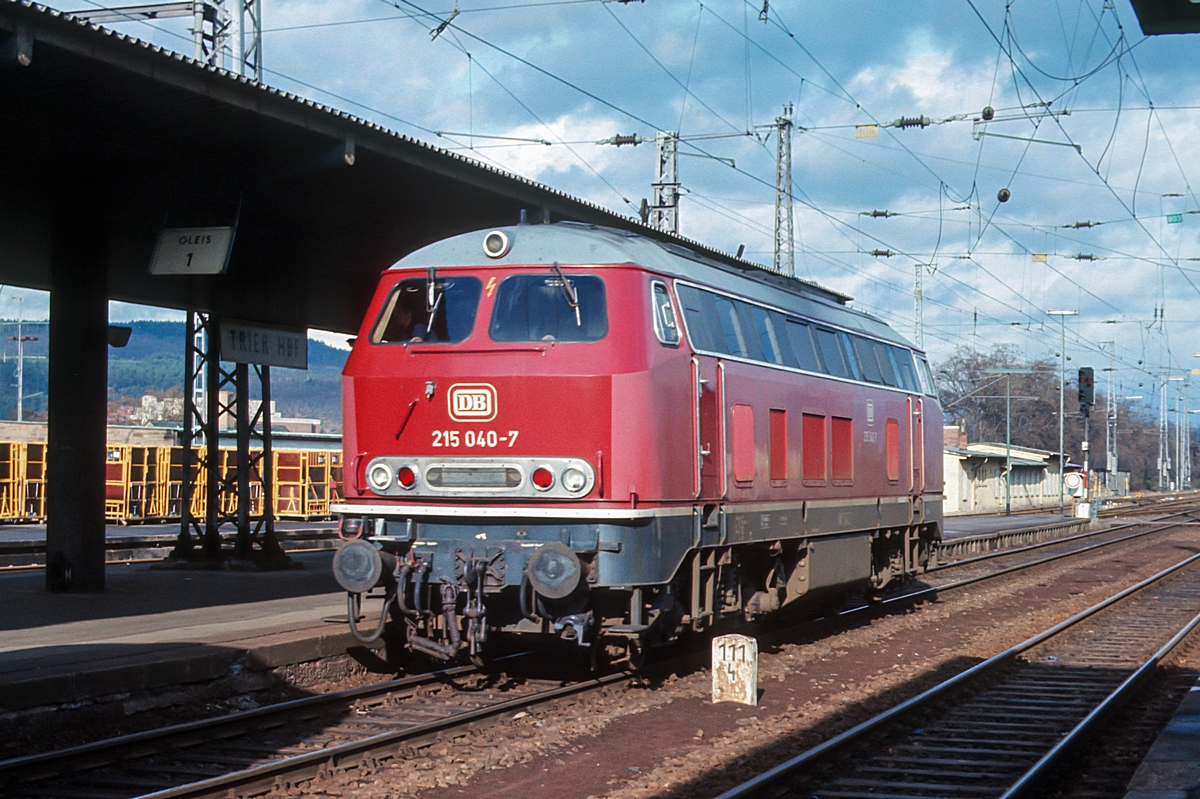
(735, 669)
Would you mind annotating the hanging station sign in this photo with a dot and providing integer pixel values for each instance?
(192, 251)
(265, 346)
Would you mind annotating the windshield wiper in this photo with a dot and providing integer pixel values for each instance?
(433, 298)
(569, 292)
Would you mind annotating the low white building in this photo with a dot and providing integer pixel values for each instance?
(975, 476)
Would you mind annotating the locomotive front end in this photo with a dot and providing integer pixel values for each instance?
(477, 402)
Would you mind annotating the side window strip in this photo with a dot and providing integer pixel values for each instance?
(723, 325)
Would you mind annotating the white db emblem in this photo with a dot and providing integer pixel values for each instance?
(472, 402)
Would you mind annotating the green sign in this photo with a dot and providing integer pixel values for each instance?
(1174, 219)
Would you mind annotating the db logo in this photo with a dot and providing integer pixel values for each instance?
(472, 402)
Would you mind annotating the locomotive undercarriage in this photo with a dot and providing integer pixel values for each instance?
(450, 598)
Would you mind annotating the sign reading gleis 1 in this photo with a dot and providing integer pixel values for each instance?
(192, 251)
(266, 346)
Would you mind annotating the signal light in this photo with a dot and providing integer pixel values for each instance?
(542, 478)
(1087, 389)
(406, 477)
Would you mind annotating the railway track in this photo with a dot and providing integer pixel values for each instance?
(248, 753)
(1000, 728)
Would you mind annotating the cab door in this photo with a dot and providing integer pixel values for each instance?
(917, 442)
(708, 420)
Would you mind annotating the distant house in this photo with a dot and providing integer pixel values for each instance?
(975, 476)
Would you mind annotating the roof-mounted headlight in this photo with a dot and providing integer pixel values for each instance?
(496, 244)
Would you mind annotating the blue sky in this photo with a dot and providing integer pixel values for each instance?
(1063, 73)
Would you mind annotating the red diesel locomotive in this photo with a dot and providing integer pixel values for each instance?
(572, 431)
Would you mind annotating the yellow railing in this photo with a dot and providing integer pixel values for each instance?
(144, 484)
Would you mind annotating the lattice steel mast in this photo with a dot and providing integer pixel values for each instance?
(664, 213)
(785, 248)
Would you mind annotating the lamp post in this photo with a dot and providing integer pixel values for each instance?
(1181, 470)
(1008, 373)
(1062, 385)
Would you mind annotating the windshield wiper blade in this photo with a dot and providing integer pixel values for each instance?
(433, 298)
(569, 292)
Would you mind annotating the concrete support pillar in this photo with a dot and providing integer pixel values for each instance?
(77, 402)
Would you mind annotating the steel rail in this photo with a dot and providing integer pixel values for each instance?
(1041, 770)
(95, 752)
(310, 764)
(754, 786)
(934, 590)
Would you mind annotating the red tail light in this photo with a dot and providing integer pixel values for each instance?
(406, 477)
(542, 478)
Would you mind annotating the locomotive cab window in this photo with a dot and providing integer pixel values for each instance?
(665, 328)
(547, 307)
(418, 313)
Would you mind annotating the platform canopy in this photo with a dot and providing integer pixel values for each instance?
(127, 139)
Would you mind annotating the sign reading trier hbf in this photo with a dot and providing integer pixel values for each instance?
(242, 343)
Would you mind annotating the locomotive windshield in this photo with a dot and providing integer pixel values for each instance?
(537, 308)
(409, 318)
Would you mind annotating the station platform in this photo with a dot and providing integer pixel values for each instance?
(1171, 769)
(962, 526)
(156, 628)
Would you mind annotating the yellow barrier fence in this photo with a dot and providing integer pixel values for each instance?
(145, 484)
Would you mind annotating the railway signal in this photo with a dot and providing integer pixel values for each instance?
(1087, 389)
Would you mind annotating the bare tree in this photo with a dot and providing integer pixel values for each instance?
(974, 398)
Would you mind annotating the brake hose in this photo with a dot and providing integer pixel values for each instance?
(353, 602)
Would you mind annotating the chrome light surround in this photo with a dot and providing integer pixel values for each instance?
(573, 479)
(482, 477)
(496, 244)
(381, 476)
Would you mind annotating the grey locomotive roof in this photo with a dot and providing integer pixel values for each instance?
(576, 243)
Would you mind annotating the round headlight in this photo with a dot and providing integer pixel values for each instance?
(573, 479)
(380, 476)
(496, 244)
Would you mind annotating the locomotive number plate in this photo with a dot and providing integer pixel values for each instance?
(475, 439)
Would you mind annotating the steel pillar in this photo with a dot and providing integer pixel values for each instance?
(77, 401)
(228, 492)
